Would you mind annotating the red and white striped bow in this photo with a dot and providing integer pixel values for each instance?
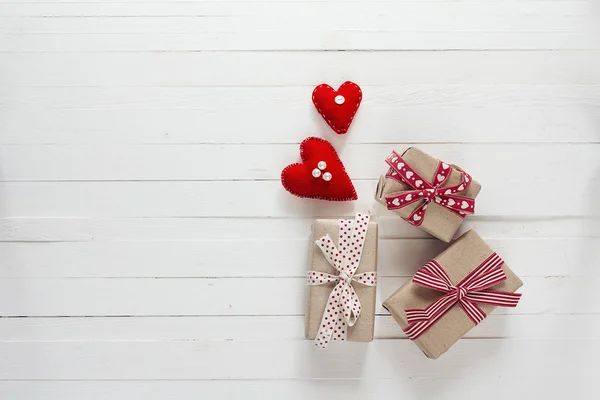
(468, 292)
(343, 306)
(421, 189)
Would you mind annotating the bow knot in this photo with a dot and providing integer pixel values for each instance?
(345, 278)
(430, 194)
(468, 293)
(344, 307)
(427, 192)
(461, 293)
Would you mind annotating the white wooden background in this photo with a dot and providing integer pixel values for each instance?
(149, 252)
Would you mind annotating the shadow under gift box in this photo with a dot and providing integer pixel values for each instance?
(363, 329)
(463, 256)
(437, 220)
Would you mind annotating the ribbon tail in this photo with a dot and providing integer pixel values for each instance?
(416, 217)
(415, 330)
(351, 306)
(472, 310)
(332, 323)
(437, 307)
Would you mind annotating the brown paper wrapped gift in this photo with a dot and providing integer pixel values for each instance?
(438, 220)
(464, 255)
(318, 296)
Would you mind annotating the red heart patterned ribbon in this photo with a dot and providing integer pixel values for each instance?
(422, 190)
(343, 306)
(467, 293)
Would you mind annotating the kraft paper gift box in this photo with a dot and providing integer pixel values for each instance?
(437, 219)
(458, 261)
(363, 281)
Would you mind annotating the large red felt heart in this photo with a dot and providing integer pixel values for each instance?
(338, 107)
(309, 179)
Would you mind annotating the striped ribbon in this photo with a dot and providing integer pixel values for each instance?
(343, 306)
(472, 290)
(427, 192)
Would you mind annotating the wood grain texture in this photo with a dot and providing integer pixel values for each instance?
(300, 26)
(265, 328)
(222, 162)
(256, 199)
(147, 249)
(381, 359)
(354, 389)
(246, 257)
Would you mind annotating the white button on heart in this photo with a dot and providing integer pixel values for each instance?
(339, 99)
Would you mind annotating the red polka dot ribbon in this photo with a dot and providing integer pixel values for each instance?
(427, 192)
(469, 292)
(343, 306)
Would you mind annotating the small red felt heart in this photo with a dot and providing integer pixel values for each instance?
(318, 155)
(338, 107)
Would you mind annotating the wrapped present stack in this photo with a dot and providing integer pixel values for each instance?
(446, 297)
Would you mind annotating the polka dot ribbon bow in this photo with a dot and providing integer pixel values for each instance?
(469, 292)
(343, 305)
(421, 190)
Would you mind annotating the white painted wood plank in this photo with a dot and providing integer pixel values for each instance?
(503, 12)
(212, 1)
(264, 258)
(199, 229)
(298, 41)
(284, 8)
(243, 296)
(418, 113)
(263, 328)
(259, 199)
(499, 387)
(300, 26)
(438, 123)
(222, 69)
(528, 164)
(218, 17)
(476, 359)
(234, 99)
